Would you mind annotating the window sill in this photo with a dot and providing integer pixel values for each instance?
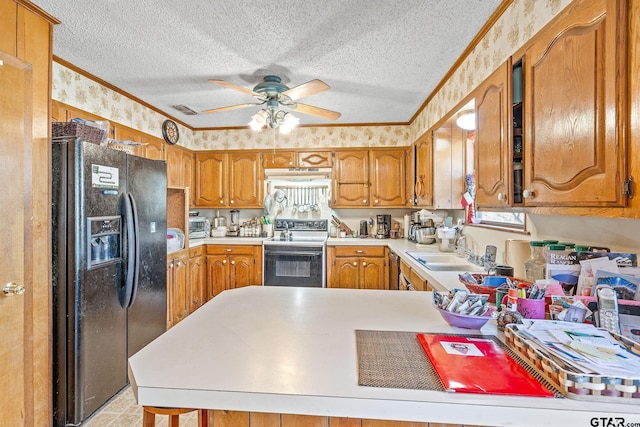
(499, 228)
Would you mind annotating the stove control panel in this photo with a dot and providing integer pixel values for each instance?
(302, 224)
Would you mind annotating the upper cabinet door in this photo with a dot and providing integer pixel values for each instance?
(279, 159)
(210, 180)
(387, 178)
(575, 108)
(314, 159)
(423, 187)
(245, 180)
(492, 136)
(351, 178)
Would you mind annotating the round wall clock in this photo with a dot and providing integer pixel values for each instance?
(170, 132)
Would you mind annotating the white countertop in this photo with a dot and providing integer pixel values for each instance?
(293, 350)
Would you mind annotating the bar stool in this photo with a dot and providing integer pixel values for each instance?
(150, 412)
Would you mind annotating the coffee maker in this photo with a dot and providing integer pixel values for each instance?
(383, 226)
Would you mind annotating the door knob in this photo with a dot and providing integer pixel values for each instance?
(364, 264)
(355, 264)
(502, 197)
(13, 288)
(528, 194)
(224, 261)
(233, 262)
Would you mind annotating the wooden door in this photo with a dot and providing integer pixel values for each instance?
(373, 274)
(245, 180)
(196, 280)
(345, 273)
(217, 275)
(241, 271)
(387, 178)
(174, 166)
(279, 159)
(423, 188)
(492, 140)
(575, 109)
(210, 170)
(126, 134)
(315, 159)
(153, 148)
(351, 179)
(179, 293)
(186, 164)
(15, 307)
(220, 418)
(409, 177)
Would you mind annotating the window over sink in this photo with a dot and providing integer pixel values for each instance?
(506, 219)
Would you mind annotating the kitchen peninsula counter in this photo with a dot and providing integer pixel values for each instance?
(293, 350)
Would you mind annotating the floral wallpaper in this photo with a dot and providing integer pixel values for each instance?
(521, 20)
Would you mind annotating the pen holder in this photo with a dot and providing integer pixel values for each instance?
(267, 230)
(531, 308)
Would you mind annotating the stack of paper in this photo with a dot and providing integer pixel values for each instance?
(581, 348)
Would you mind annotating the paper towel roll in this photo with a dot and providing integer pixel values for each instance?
(407, 223)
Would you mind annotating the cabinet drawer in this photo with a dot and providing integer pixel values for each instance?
(405, 269)
(195, 252)
(230, 250)
(371, 251)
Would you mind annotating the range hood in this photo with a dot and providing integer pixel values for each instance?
(297, 174)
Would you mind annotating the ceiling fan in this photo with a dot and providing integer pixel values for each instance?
(274, 95)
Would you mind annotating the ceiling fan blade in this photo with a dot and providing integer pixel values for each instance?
(317, 111)
(234, 87)
(230, 107)
(305, 89)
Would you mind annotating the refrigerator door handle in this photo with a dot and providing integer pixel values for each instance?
(136, 252)
(129, 283)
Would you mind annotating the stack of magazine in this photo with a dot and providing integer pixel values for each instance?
(580, 348)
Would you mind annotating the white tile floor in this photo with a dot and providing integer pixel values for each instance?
(122, 411)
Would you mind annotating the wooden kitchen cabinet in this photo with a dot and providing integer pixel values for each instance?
(357, 267)
(417, 282)
(152, 148)
(351, 178)
(315, 159)
(228, 180)
(387, 171)
(297, 159)
(575, 108)
(410, 176)
(179, 166)
(369, 178)
(279, 159)
(423, 183)
(492, 140)
(197, 275)
(178, 305)
(232, 266)
(449, 142)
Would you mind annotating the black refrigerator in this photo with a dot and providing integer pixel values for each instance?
(109, 270)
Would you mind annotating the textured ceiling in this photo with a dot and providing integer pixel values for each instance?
(381, 58)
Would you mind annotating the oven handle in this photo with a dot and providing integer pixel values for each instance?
(300, 253)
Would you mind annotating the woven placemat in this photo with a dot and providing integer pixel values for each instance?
(395, 359)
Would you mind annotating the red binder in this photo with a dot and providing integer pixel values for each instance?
(478, 365)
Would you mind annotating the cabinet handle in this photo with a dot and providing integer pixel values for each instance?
(224, 261)
(228, 250)
(222, 202)
(364, 264)
(364, 201)
(233, 262)
(528, 194)
(375, 201)
(359, 251)
(231, 202)
(502, 197)
(355, 264)
(180, 263)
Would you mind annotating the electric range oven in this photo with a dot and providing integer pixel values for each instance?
(296, 255)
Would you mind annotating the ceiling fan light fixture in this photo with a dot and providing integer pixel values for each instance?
(466, 120)
(289, 122)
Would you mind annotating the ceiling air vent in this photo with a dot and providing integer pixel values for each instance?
(185, 110)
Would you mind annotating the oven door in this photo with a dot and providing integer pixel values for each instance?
(294, 265)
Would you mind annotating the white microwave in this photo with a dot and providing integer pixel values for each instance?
(199, 227)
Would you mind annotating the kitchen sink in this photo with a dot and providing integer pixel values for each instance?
(441, 262)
